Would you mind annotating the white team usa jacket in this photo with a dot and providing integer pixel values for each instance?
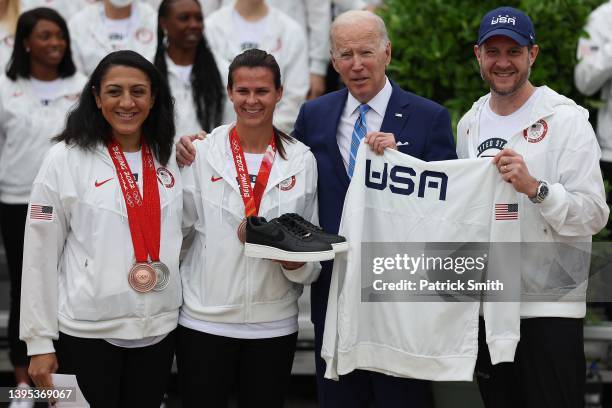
(558, 145)
(396, 198)
(76, 260)
(593, 71)
(90, 41)
(284, 39)
(26, 128)
(220, 284)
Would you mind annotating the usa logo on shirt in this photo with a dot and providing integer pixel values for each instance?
(144, 35)
(536, 132)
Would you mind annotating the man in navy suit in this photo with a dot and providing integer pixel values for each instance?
(395, 119)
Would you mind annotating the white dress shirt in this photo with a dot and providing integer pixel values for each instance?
(374, 118)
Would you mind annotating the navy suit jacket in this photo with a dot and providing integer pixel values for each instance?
(422, 126)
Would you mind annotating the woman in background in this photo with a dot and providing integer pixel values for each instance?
(184, 58)
(9, 12)
(40, 86)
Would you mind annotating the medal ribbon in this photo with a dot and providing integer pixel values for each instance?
(251, 197)
(144, 216)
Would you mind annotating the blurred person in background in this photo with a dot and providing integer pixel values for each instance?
(101, 287)
(112, 25)
(184, 58)
(66, 8)
(594, 74)
(314, 16)
(253, 24)
(40, 86)
(9, 12)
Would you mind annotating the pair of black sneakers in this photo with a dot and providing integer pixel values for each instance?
(290, 238)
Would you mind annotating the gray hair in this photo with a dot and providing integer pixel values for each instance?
(354, 17)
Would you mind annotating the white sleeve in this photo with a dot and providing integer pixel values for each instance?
(329, 349)
(345, 5)
(43, 246)
(318, 21)
(210, 6)
(310, 271)
(462, 138)
(576, 204)
(2, 132)
(296, 80)
(594, 54)
(77, 55)
(501, 309)
(190, 193)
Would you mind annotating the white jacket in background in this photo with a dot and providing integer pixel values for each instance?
(90, 38)
(314, 16)
(75, 267)
(66, 8)
(7, 40)
(594, 71)
(285, 40)
(567, 157)
(220, 284)
(26, 129)
(393, 199)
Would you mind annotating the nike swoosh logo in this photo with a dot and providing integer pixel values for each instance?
(213, 178)
(102, 182)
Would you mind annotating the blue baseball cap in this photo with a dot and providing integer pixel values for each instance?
(509, 22)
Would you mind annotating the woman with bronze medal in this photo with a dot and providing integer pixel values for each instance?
(101, 286)
(238, 324)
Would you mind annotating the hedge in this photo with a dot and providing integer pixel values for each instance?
(433, 40)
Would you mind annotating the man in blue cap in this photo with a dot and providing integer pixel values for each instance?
(543, 144)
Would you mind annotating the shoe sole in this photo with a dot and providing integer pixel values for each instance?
(340, 246)
(267, 252)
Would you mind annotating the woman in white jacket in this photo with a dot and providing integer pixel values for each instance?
(39, 88)
(112, 25)
(238, 323)
(248, 24)
(9, 12)
(101, 287)
(184, 58)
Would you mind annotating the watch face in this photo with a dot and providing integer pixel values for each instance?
(543, 191)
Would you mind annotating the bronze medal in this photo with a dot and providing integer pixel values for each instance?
(242, 231)
(142, 277)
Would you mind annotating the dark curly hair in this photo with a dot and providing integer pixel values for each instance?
(206, 82)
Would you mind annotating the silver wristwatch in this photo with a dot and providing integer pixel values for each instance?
(542, 192)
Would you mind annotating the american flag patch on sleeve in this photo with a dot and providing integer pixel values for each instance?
(506, 211)
(41, 212)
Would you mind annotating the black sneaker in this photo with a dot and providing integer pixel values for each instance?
(338, 242)
(276, 240)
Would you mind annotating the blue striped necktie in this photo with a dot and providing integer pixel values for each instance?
(359, 132)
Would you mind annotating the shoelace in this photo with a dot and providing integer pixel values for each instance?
(294, 228)
(299, 220)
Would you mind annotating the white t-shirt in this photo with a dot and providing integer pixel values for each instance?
(263, 330)
(118, 31)
(249, 33)
(182, 71)
(46, 90)
(495, 130)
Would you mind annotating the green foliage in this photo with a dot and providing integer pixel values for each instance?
(433, 48)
